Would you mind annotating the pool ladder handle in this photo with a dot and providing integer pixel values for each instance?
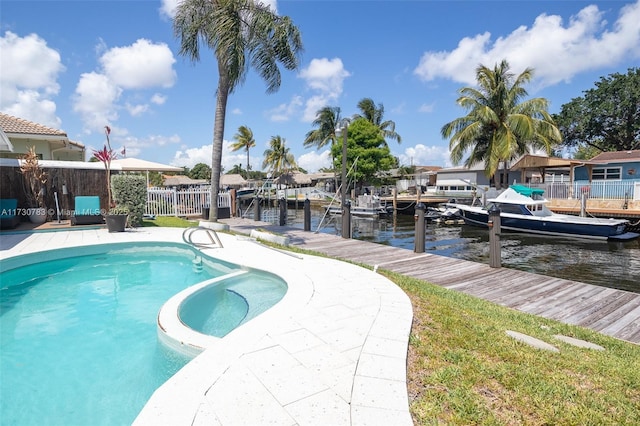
(212, 234)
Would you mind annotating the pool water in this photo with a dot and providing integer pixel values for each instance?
(240, 299)
(78, 335)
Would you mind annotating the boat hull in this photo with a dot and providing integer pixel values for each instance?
(599, 229)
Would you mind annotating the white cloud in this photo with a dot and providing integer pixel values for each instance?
(95, 99)
(314, 104)
(326, 78)
(168, 8)
(314, 161)
(158, 99)
(136, 110)
(325, 75)
(138, 145)
(29, 70)
(555, 51)
(283, 112)
(141, 65)
(189, 157)
(422, 155)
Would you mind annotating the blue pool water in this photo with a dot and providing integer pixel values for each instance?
(241, 298)
(78, 334)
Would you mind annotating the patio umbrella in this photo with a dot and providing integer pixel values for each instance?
(138, 165)
(135, 164)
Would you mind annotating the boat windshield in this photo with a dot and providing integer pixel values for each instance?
(512, 208)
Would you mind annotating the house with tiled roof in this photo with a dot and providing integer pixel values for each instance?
(17, 135)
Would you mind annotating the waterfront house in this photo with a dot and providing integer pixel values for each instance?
(616, 165)
(611, 175)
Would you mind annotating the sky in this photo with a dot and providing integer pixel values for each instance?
(78, 66)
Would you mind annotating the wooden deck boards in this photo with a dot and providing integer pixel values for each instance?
(609, 311)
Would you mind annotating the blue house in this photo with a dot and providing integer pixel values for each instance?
(610, 174)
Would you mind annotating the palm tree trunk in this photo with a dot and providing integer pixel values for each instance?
(247, 163)
(218, 135)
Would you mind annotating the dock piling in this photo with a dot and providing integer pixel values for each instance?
(494, 237)
(418, 246)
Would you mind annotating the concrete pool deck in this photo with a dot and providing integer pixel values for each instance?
(333, 351)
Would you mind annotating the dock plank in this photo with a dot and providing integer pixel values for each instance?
(609, 311)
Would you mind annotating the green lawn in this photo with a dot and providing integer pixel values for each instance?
(463, 369)
(170, 222)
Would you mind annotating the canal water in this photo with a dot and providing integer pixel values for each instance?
(608, 264)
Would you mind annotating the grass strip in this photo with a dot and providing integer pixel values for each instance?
(463, 369)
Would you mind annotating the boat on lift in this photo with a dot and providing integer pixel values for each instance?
(523, 209)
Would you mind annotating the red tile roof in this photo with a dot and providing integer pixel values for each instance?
(11, 124)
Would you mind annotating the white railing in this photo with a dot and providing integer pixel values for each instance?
(603, 190)
(182, 202)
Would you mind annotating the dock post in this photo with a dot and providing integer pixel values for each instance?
(307, 215)
(395, 201)
(418, 246)
(256, 209)
(234, 208)
(346, 220)
(494, 236)
(283, 211)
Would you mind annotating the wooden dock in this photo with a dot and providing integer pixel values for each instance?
(612, 312)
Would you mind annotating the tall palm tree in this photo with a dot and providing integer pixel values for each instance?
(499, 125)
(244, 140)
(374, 114)
(242, 34)
(277, 158)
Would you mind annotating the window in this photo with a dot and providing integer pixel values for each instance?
(606, 173)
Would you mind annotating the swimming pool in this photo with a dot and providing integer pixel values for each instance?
(78, 328)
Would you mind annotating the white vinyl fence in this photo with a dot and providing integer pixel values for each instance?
(602, 189)
(182, 202)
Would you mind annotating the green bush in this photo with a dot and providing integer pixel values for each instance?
(130, 191)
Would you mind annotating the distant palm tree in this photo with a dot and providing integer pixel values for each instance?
(277, 159)
(326, 121)
(374, 114)
(499, 125)
(236, 169)
(242, 34)
(244, 140)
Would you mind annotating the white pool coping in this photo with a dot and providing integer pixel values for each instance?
(333, 351)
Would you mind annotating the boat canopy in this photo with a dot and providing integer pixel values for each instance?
(526, 191)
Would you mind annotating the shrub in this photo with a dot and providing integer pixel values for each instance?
(130, 192)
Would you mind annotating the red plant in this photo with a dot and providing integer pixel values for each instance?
(106, 155)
